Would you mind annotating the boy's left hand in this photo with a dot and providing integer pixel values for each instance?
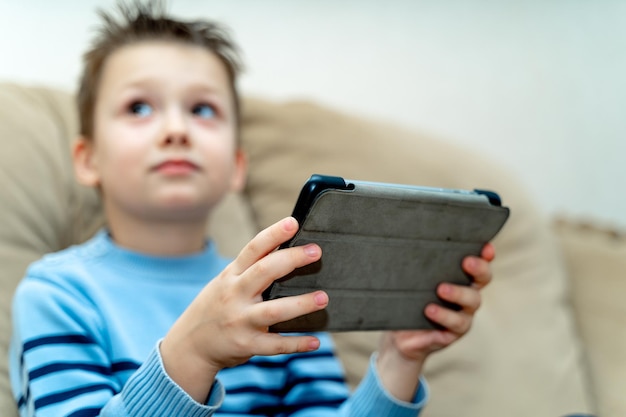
(402, 353)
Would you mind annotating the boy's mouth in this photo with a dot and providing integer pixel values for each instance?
(176, 167)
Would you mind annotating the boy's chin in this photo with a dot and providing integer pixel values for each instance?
(182, 197)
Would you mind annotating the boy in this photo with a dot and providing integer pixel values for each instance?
(146, 319)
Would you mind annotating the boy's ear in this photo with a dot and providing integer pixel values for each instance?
(85, 163)
(238, 179)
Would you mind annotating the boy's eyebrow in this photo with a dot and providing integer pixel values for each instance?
(208, 88)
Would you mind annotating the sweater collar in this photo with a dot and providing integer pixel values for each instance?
(196, 266)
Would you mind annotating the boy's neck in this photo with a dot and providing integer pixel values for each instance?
(160, 238)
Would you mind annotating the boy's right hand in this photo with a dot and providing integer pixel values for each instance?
(228, 321)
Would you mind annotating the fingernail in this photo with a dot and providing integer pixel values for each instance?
(445, 289)
(289, 224)
(470, 263)
(431, 310)
(312, 250)
(314, 344)
(321, 298)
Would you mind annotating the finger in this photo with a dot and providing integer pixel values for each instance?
(457, 322)
(263, 243)
(467, 298)
(488, 252)
(276, 344)
(479, 269)
(275, 265)
(428, 341)
(266, 314)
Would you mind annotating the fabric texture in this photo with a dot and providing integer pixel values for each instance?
(42, 208)
(82, 304)
(76, 304)
(595, 256)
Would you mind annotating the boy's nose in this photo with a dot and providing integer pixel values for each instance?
(175, 131)
(178, 139)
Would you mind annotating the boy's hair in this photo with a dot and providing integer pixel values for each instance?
(149, 22)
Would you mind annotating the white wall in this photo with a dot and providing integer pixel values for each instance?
(538, 84)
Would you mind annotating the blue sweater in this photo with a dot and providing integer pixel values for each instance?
(87, 324)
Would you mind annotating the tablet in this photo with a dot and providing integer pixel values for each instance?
(385, 249)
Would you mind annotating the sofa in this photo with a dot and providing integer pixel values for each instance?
(548, 340)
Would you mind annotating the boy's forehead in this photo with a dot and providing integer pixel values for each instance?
(151, 62)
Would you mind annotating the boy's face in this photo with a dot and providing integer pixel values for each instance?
(164, 143)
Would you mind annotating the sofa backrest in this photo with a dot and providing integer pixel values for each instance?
(523, 355)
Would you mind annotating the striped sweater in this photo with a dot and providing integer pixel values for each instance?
(87, 322)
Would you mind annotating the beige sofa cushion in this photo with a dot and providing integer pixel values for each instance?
(596, 259)
(42, 209)
(39, 200)
(523, 356)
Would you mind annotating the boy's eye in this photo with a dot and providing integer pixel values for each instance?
(140, 109)
(205, 111)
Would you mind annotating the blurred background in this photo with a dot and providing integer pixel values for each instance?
(539, 85)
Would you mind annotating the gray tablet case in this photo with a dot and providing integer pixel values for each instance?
(385, 249)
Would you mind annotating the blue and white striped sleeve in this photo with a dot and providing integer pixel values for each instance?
(60, 367)
(58, 364)
(316, 384)
(317, 388)
(372, 399)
